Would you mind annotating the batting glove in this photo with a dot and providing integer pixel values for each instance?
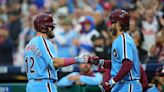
(81, 59)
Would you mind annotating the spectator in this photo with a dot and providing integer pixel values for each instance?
(138, 38)
(70, 4)
(6, 47)
(26, 34)
(88, 31)
(102, 26)
(65, 36)
(144, 82)
(1, 22)
(105, 34)
(101, 49)
(95, 5)
(15, 28)
(64, 39)
(25, 8)
(60, 15)
(14, 23)
(3, 10)
(85, 77)
(149, 28)
(33, 10)
(28, 31)
(107, 8)
(157, 50)
(159, 79)
(39, 3)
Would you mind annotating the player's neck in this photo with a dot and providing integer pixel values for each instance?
(41, 34)
(119, 33)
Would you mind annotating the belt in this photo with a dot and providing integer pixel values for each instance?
(46, 80)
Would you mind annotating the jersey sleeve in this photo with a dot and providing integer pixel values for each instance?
(92, 80)
(125, 49)
(63, 82)
(48, 52)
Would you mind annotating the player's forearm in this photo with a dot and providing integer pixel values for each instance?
(143, 79)
(61, 62)
(107, 64)
(126, 67)
(94, 80)
(64, 82)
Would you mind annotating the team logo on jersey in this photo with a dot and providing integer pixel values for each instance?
(115, 53)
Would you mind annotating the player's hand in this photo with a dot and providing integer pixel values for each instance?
(106, 86)
(82, 59)
(79, 83)
(95, 60)
(74, 77)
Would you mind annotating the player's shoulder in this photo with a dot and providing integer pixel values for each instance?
(118, 39)
(40, 40)
(128, 39)
(123, 38)
(34, 39)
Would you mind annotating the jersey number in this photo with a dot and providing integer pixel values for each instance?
(32, 65)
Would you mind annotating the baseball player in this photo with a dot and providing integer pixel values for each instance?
(125, 66)
(40, 57)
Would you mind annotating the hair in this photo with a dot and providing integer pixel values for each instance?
(124, 27)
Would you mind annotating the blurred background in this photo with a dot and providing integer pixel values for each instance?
(81, 27)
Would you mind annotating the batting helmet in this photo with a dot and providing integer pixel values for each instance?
(42, 22)
(121, 16)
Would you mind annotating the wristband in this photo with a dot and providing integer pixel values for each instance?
(112, 82)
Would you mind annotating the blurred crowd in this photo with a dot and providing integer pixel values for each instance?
(82, 26)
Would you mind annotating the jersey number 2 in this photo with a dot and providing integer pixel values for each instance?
(32, 65)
